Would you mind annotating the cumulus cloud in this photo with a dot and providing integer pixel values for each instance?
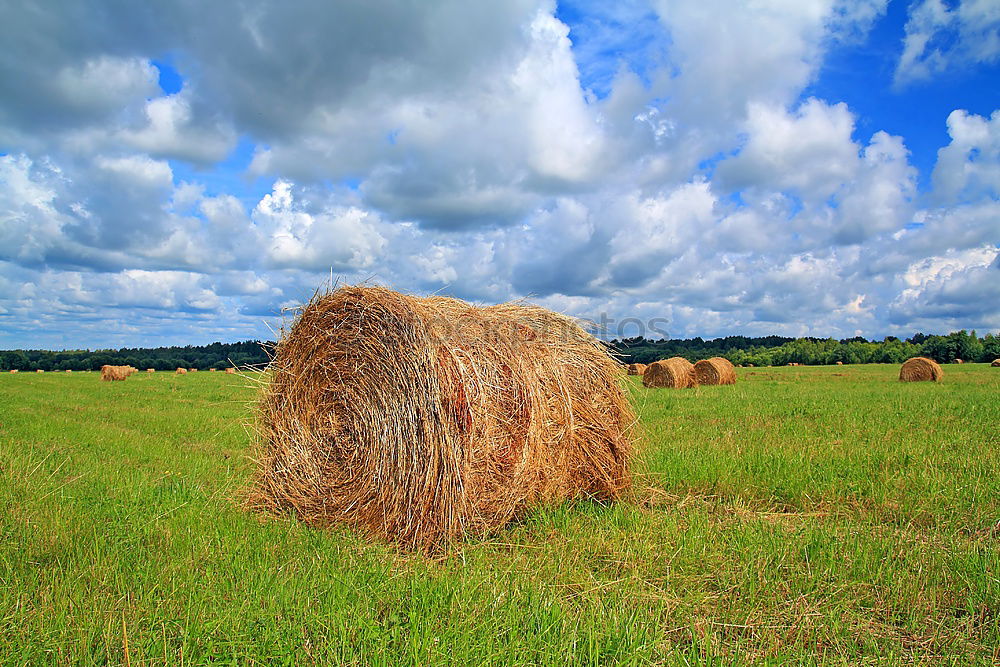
(944, 36)
(673, 170)
(968, 168)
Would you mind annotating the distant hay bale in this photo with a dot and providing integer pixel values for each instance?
(995, 364)
(39, 371)
(920, 369)
(636, 369)
(192, 370)
(959, 361)
(675, 373)
(150, 370)
(749, 365)
(115, 373)
(714, 371)
(69, 370)
(14, 371)
(420, 420)
(211, 370)
(182, 371)
(230, 371)
(840, 363)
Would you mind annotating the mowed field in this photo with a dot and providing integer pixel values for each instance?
(827, 515)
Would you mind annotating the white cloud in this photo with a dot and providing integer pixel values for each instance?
(940, 38)
(446, 146)
(968, 168)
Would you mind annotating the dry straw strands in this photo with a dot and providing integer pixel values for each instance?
(230, 371)
(636, 369)
(920, 369)
(181, 371)
(115, 373)
(676, 373)
(714, 371)
(419, 420)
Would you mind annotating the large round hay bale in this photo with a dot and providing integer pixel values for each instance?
(995, 364)
(181, 371)
(419, 420)
(716, 370)
(959, 361)
(920, 369)
(114, 373)
(230, 371)
(636, 369)
(675, 373)
(840, 363)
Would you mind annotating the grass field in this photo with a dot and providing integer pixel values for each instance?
(827, 515)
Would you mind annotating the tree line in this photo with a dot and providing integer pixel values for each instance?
(741, 350)
(779, 351)
(203, 357)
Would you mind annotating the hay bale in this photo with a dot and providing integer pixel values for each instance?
(115, 373)
(959, 361)
(182, 371)
(419, 420)
(716, 370)
(840, 363)
(920, 369)
(192, 370)
(995, 364)
(150, 370)
(675, 373)
(636, 369)
(749, 365)
(68, 370)
(230, 371)
(14, 371)
(211, 370)
(39, 371)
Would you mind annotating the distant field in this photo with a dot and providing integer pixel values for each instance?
(808, 515)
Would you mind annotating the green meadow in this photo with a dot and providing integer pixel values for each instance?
(807, 515)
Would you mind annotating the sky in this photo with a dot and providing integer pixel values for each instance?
(185, 172)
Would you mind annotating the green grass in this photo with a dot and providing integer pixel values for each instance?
(805, 516)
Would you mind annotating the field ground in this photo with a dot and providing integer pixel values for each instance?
(808, 515)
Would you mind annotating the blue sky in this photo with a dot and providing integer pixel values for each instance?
(184, 173)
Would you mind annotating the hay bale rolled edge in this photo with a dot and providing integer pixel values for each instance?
(920, 369)
(674, 373)
(418, 420)
(714, 371)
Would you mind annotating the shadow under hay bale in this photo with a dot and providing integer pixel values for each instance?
(420, 420)
(675, 373)
(714, 371)
(636, 369)
(920, 369)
